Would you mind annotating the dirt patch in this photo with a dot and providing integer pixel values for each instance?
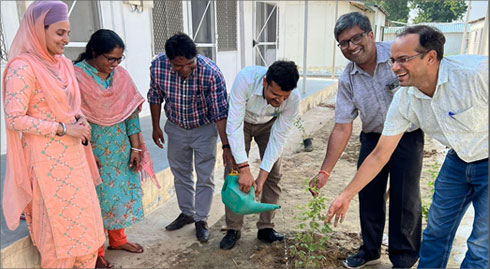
(339, 246)
(298, 167)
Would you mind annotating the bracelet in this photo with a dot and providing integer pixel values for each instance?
(137, 149)
(324, 172)
(225, 146)
(64, 129)
(243, 166)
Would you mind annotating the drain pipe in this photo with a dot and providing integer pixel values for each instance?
(305, 47)
(334, 43)
(463, 42)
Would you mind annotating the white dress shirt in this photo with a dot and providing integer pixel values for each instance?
(456, 115)
(247, 104)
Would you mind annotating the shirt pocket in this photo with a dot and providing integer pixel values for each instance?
(469, 118)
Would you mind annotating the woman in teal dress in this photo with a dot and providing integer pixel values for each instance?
(111, 103)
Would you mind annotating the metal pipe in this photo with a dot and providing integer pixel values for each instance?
(334, 45)
(463, 42)
(305, 47)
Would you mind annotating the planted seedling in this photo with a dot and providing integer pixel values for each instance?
(309, 244)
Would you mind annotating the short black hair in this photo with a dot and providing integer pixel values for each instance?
(102, 41)
(430, 38)
(350, 20)
(180, 44)
(283, 73)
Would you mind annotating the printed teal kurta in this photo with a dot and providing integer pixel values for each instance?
(120, 192)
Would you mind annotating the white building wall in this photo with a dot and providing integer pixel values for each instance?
(136, 31)
(476, 40)
(229, 64)
(321, 39)
(10, 21)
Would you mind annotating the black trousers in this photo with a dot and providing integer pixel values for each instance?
(405, 217)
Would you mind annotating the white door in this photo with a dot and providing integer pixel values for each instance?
(203, 27)
(265, 33)
(84, 21)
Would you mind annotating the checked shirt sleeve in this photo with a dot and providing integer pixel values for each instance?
(155, 94)
(218, 105)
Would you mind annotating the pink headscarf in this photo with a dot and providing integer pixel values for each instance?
(63, 99)
(113, 105)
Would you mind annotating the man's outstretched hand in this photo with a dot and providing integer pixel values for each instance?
(337, 210)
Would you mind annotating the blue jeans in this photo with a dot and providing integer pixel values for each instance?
(457, 184)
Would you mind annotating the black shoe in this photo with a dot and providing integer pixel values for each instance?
(360, 260)
(202, 232)
(180, 222)
(230, 239)
(268, 235)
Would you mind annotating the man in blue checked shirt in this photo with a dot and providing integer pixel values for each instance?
(196, 107)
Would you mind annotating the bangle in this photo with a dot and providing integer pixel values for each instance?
(324, 172)
(63, 132)
(225, 146)
(243, 166)
(137, 149)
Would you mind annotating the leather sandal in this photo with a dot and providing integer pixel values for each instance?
(138, 247)
(103, 263)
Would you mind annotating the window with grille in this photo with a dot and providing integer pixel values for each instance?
(4, 54)
(167, 21)
(84, 21)
(227, 25)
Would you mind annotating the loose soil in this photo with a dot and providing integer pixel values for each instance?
(298, 166)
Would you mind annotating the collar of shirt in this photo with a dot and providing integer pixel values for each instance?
(442, 78)
(383, 54)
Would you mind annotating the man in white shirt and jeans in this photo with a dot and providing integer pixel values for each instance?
(448, 100)
(262, 106)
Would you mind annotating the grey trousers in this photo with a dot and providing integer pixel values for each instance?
(271, 190)
(184, 145)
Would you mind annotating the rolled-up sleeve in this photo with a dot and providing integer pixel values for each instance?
(155, 94)
(236, 115)
(396, 123)
(218, 105)
(279, 132)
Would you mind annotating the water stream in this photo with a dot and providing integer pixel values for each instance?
(285, 240)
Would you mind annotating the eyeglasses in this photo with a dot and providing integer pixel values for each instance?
(403, 60)
(356, 39)
(114, 59)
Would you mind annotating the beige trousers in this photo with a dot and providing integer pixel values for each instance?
(271, 190)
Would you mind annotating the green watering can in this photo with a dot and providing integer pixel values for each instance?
(239, 202)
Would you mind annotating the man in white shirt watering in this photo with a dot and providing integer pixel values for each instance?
(448, 100)
(262, 106)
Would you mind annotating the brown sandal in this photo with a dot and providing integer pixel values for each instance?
(138, 247)
(103, 263)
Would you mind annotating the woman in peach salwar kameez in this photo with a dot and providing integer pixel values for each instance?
(50, 175)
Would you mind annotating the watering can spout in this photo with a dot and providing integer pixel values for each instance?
(239, 202)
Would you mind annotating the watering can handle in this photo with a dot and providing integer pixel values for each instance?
(233, 173)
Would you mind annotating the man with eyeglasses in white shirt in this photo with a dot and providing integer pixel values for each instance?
(366, 87)
(448, 98)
